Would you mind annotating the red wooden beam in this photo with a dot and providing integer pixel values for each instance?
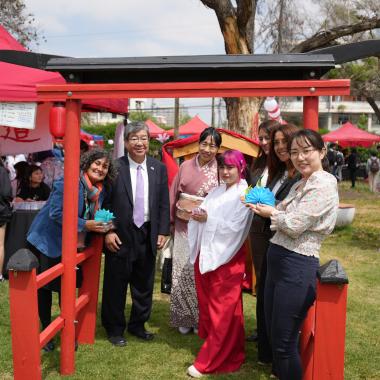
(49, 275)
(50, 331)
(193, 89)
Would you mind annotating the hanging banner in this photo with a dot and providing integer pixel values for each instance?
(23, 140)
(18, 115)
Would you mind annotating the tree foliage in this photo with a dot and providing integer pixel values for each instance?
(15, 18)
(365, 79)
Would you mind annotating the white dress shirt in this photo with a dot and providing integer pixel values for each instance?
(133, 171)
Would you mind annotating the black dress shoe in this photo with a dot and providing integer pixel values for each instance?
(252, 338)
(142, 334)
(117, 341)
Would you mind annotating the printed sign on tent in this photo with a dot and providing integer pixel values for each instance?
(18, 115)
(22, 140)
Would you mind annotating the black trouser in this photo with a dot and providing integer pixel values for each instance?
(137, 270)
(260, 247)
(289, 293)
(352, 176)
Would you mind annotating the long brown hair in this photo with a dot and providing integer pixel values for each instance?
(275, 165)
(260, 162)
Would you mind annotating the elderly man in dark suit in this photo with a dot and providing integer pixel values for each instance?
(140, 203)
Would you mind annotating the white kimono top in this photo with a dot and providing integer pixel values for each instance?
(227, 226)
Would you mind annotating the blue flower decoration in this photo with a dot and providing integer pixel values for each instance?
(104, 216)
(260, 195)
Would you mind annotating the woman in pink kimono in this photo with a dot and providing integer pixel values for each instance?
(195, 179)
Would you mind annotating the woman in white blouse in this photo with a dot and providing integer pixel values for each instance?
(216, 233)
(302, 220)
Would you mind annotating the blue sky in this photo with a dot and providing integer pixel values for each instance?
(122, 28)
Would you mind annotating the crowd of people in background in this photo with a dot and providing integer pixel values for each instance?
(339, 158)
(206, 214)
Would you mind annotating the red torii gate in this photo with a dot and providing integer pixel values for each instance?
(27, 340)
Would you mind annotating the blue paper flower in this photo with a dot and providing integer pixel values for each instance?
(260, 195)
(104, 216)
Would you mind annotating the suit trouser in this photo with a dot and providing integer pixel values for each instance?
(137, 271)
(289, 293)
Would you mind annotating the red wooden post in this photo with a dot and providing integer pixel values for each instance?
(25, 325)
(310, 112)
(69, 235)
(91, 274)
(307, 344)
(330, 321)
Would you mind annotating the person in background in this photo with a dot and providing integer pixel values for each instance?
(45, 233)
(301, 221)
(331, 157)
(373, 170)
(33, 188)
(83, 147)
(196, 177)
(140, 203)
(217, 231)
(5, 210)
(339, 163)
(352, 165)
(21, 169)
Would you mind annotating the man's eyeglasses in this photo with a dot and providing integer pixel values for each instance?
(135, 140)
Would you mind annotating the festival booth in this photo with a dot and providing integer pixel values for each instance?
(161, 77)
(185, 149)
(350, 135)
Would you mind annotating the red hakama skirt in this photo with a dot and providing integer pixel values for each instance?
(221, 320)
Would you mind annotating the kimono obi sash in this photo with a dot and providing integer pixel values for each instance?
(186, 204)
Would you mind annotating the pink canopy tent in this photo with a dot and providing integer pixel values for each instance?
(350, 135)
(154, 129)
(194, 126)
(18, 83)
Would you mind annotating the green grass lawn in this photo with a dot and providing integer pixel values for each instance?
(357, 248)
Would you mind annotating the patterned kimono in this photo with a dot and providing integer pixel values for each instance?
(194, 180)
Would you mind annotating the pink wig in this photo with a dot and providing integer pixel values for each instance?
(233, 158)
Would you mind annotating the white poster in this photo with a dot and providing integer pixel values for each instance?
(18, 115)
(23, 140)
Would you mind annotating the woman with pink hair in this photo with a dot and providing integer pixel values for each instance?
(217, 231)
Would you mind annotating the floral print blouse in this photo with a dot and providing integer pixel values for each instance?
(307, 215)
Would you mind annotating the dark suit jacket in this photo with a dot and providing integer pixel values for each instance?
(121, 204)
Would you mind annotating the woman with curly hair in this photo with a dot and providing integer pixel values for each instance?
(45, 233)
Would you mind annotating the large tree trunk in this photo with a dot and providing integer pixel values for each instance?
(242, 115)
(237, 26)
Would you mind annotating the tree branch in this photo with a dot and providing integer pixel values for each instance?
(372, 103)
(326, 38)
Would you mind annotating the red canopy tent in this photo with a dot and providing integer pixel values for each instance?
(194, 126)
(154, 129)
(350, 135)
